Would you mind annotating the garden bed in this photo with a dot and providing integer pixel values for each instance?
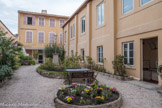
(88, 96)
(3, 82)
(50, 74)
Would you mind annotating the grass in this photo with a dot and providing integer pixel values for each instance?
(49, 72)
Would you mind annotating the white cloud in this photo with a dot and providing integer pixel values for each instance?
(9, 9)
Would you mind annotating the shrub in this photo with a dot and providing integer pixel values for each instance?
(72, 62)
(32, 62)
(49, 65)
(118, 65)
(5, 72)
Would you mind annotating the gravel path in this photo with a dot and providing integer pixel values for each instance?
(133, 95)
(28, 89)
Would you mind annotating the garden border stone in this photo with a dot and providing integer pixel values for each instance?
(115, 104)
(46, 74)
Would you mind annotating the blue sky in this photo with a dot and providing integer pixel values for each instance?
(9, 8)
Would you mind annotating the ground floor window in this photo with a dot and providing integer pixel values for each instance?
(128, 53)
(72, 53)
(82, 54)
(100, 54)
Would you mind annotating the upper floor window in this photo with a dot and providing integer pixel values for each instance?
(29, 20)
(83, 25)
(52, 22)
(100, 14)
(60, 38)
(41, 21)
(128, 6)
(100, 54)
(71, 32)
(41, 37)
(74, 30)
(128, 53)
(29, 37)
(52, 37)
(143, 2)
(62, 22)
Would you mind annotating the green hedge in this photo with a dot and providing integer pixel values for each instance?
(50, 72)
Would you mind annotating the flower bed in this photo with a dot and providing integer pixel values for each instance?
(93, 95)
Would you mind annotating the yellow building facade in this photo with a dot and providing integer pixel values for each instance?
(103, 29)
(36, 30)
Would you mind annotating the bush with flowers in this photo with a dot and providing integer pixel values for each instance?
(90, 94)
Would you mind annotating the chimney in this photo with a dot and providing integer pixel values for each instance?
(44, 11)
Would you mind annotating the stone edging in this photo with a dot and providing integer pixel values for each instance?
(117, 77)
(115, 104)
(46, 74)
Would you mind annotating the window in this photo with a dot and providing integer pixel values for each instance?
(100, 14)
(60, 38)
(72, 53)
(71, 31)
(74, 30)
(143, 2)
(100, 54)
(29, 20)
(52, 22)
(52, 37)
(65, 36)
(41, 37)
(128, 53)
(41, 21)
(127, 6)
(83, 24)
(82, 54)
(29, 36)
(62, 22)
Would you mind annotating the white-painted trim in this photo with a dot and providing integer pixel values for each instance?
(38, 37)
(59, 21)
(49, 36)
(129, 10)
(27, 19)
(81, 25)
(44, 21)
(49, 22)
(59, 38)
(25, 35)
(145, 3)
(97, 13)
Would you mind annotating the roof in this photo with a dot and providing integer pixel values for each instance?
(43, 14)
(6, 27)
(77, 11)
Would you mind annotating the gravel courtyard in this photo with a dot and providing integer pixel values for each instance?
(27, 89)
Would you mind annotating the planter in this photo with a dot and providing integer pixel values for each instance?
(46, 74)
(115, 104)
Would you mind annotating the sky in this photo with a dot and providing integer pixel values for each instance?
(9, 8)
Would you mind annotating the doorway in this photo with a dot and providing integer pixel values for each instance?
(40, 58)
(150, 60)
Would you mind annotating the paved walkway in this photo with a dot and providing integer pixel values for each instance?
(28, 89)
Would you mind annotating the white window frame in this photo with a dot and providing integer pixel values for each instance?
(44, 20)
(102, 22)
(60, 39)
(82, 57)
(82, 25)
(74, 28)
(38, 37)
(99, 62)
(72, 52)
(145, 3)
(26, 35)
(71, 32)
(50, 22)
(49, 38)
(60, 23)
(27, 20)
(128, 52)
(123, 8)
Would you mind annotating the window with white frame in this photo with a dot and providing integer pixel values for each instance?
(29, 36)
(128, 53)
(100, 54)
(83, 25)
(41, 21)
(143, 2)
(65, 36)
(72, 52)
(52, 38)
(41, 37)
(62, 22)
(82, 54)
(73, 30)
(60, 38)
(29, 20)
(128, 6)
(100, 14)
(52, 22)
